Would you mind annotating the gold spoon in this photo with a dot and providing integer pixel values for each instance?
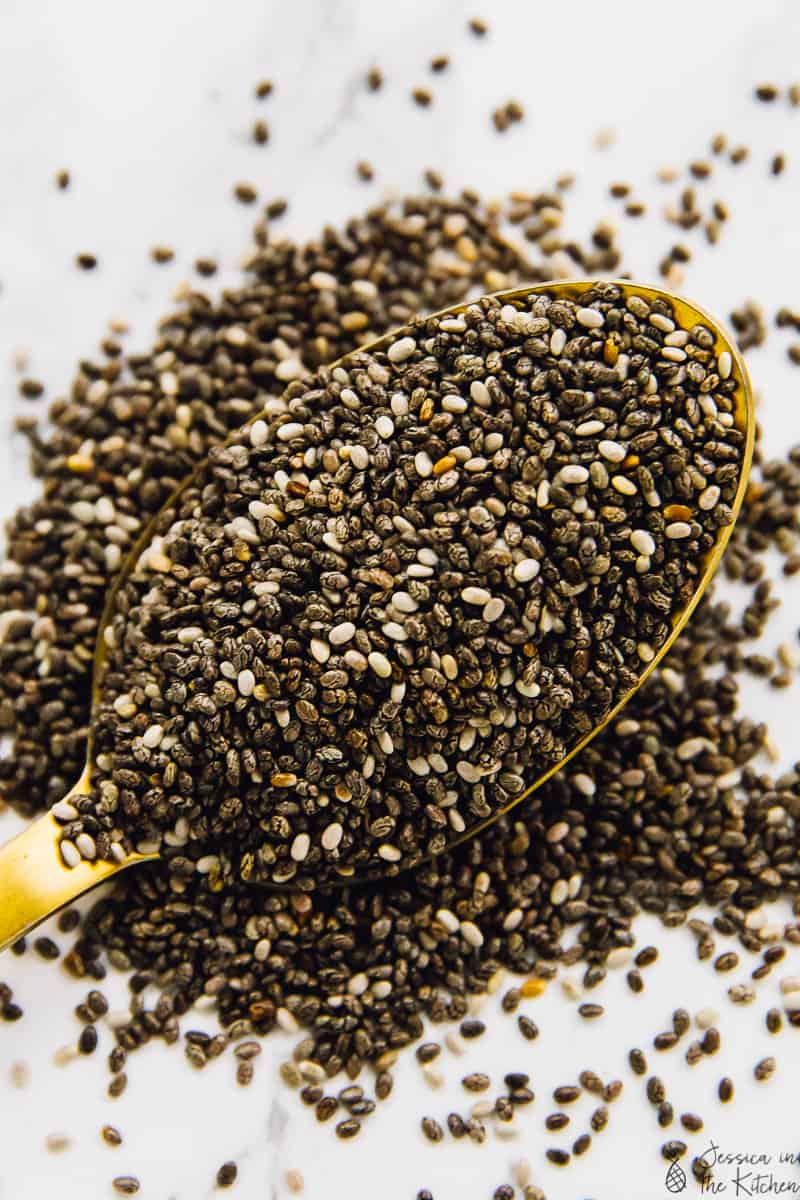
(34, 880)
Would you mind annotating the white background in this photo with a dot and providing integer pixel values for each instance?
(149, 105)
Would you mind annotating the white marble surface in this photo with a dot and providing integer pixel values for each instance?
(149, 105)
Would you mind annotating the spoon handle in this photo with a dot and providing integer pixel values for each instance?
(34, 882)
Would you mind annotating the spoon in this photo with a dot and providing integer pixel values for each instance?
(35, 881)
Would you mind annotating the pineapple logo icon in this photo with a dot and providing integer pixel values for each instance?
(675, 1180)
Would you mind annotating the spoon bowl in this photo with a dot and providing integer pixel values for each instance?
(35, 880)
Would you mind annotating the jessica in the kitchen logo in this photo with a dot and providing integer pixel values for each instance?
(741, 1173)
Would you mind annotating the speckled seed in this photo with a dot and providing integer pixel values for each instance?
(774, 1020)
(637, 1061)
(126, 1185)
(557, 1156)
(764, 1068)
(599, 1119)
(432, 1129)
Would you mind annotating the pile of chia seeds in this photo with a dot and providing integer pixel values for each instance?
(668, 808)
(369, 620)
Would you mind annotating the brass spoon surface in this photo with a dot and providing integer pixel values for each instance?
(34, 880)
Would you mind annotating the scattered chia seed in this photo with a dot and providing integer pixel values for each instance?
(432, 1129)
(673, 1150)
(528, 1028)
(681, 1022)
(46, 948)
(591, 1082)
(295, 1181)
(590, 1011)
(764, 1069)
(599, 1119)
(30, 389)
(635, 981)
(476, 1082)
(111, 1136)
(665, 1114)
(245, 193)
(57, 1143)
(19, 1075)
(226, 1175)
(637, 1061)
(126, 1185)
(711, 1041)
(665, 1041)
(87, 1042)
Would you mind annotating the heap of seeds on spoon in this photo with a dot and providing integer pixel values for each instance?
(667, 808)
(368, 621)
